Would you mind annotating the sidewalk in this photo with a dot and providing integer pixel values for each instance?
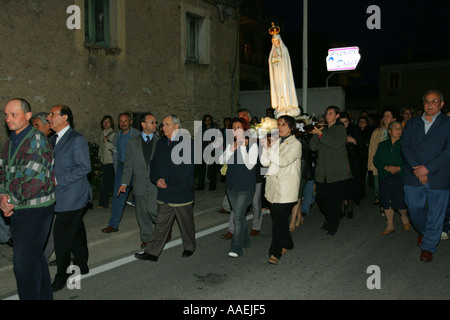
(104, 247)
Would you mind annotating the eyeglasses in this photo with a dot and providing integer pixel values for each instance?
(434, 101)
(51, 114)
(167, 124)
(150, 122)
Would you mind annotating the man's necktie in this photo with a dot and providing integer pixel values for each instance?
(147, 140)
(53, 142)
(169, 142)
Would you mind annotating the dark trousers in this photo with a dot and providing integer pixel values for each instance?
(107, 185)
(163, 225)
(329, 197)
(210, 172)
(360, 177)
(281, 236)
(70, 237)
(29, 229)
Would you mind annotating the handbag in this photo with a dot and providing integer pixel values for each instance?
(223, 170)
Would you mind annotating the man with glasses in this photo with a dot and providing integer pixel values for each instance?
(426, 151)
(140, 151)
(172, 170)
(120, 142)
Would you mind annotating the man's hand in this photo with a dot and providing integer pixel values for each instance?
(420, 171)
(6, 207)
(161, 183)
(424, 180)
(393, 169)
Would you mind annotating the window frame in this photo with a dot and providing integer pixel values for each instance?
(192, 38)
(394, 80)
(90, 23)
(203, 18)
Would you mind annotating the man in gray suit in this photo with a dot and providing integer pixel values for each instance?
(140, 150)
(120, 142)
(73, 192)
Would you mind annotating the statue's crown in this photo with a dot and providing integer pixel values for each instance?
(274, 30)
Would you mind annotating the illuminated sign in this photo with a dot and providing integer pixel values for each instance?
(343, 58)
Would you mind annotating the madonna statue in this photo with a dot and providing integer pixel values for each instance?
(282, 87)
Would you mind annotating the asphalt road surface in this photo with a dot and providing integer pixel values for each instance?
(358, 263)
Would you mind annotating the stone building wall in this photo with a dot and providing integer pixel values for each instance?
(46, 63)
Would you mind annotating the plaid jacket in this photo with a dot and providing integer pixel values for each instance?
(27, 175)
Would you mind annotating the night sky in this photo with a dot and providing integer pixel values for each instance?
(423, 26)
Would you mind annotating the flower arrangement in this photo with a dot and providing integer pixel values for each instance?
(305, 124)
(267, 124)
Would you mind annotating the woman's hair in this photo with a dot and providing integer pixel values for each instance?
(245, 124)
(290, 122)
(402, 111)
(110, 120)
(392, 110)
(394, 122)
(344, 115)
(335, 108)
(205, 117)
(364, 118)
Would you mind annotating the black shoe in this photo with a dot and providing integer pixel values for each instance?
(344, 212)
(58, 285)
(145, 256)
(331, 233)
(324, 227)
(187, 253)
(84, 271)
(9, 242)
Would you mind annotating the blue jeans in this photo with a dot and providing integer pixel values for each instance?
(308, 196)
(429, 224)
(118, 202)
(446, 227)
(240, 200)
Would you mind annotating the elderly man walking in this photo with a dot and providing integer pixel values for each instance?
(426, 151)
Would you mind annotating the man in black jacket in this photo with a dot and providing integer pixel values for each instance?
(173, 173)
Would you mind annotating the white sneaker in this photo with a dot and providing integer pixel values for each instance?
(444, 235)
(233, 254)
(131, 204)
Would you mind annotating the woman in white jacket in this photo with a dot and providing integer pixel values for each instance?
(282, 157)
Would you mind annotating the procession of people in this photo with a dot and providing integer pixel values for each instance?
(275, 166)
